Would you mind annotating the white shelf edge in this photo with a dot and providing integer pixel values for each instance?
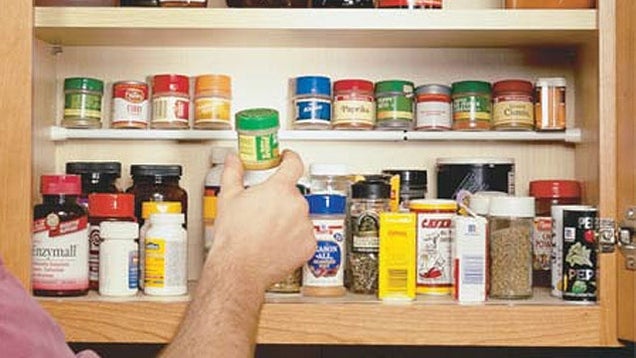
(569, 136)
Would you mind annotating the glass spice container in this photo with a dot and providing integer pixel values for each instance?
(353, 105)
(83, 102)
(170, 102)
(368, 200)
(312, 102)
(472, 106)
(510, 224)
(549, 107)
(394, 104)
(212, 101)
(433, 108)
(329, 179)
(512, 105)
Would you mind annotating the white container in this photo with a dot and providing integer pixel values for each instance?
(329, 179)
(166, 256)
(118, 259)
(211, 192)
(479, 203)
(255, 177)
(470, 253)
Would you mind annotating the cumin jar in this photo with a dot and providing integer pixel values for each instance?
(472, 105)
(512, 105)
(353, 105)
(170, 102)
(212, 101)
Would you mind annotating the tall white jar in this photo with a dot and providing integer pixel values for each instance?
(166, 249)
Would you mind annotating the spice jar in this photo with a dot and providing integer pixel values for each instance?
(290, 284)
(258, 138)
(410, 4)
(513, 108)
(97, 177)
(312, 101)
(368, 200)
(472, 105)
(60, 239)
(130, 105)
(212, 100)
(549, 107)
(183, 3)
(170, 102)
(353, 105)
(510, 225)
(329, 179)
(166, 254)
(323, 273)
(548, 193)
(433, 107)
(394, 104)
(412, 185)
(83, 102)
(118, 263)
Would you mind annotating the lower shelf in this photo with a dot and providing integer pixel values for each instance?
(354, 319)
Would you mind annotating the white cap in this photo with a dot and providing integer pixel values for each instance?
(512, 206)
(329, 169)
(551, 81)
(118, 230)
(166, 218)
(255, 177)
(479, 202)
(218, 154)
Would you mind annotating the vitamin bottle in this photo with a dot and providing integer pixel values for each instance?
(166, 251)
(118, 261)
(97, 177)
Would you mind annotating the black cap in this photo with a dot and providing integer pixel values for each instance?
(371, 190)
(155, 170)
(113, 168)
(410, 177)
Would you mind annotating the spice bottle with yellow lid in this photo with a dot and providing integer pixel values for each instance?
(212, 99)
(258, 138)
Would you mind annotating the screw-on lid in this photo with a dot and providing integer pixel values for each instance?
(433, 89)
(433, 204)
(326, 204)
(118, 230)
(475, 161)
(218, 154)
(412, 178)
(371, 190)
(402, 86)
(111, 205)
(313, 85)
(512, 206)
(255, 177)
(154, 207)
(257, 118)
(84, 83)
(479, 202)
(328, 169)
(513, 86)
(221, 84)
(170, 83)
(555, 189)
(61, 184)
(172, 170)
(350, 85)
(167, 218)
(113, 168)
(471, 86)
(551, 81)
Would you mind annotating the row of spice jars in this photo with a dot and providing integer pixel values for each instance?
(135, 107)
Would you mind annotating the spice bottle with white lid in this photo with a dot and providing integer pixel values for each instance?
(118, 258)
(510, 224)
(166, 256)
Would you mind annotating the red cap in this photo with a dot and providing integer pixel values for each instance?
(555, 189)
(63, 184)
(347, 85)
(111, 205)
(513, 86)
(170, 83)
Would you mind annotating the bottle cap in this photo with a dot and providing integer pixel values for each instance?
(313, 85)
(400, 86)
(111, 205)
(433, 89)
(349, 85)
(328, 169)
(551, 82)
(84, 83)
(411, 178)
(167, 218)
(555, 189)
(326, 204)
(68, 184)
(154, 207)
(218, 154)
(433, 204)
(221, 84)
(479, 202)
(513, 86)
(155, 170)
(118, 230)
(257, 118)
(471, 86)
(170, 83)
(512, 206)
(94, 167)
(371, 190)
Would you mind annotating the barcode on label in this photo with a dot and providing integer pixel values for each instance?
(160, 109)
(473, 270)
(397, 280)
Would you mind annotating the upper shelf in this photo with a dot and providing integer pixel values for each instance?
(112, 26)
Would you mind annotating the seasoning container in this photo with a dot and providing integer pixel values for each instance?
(210, 194)
(212, 102)
(166, 250)
(118, 261)
(130, 108)
(470, 259)
(394, 104)
(412, 185)
(258, 138)
(156, 183)
(510, 224)
(353, 105)
(548, 193)
(512, 105)
(397, 262)
(368, 200)
(83, 102)
(323, 273)
(312, 102)
(434, 240)
(170, 102)
(473, 175)
(327, 178)
(472, 107)
(183, 3)
(60, 239)
(105, 208)
(433, 108)
(549, 107)
(97, 177)
(580, 248)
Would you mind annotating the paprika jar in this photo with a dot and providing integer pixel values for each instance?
(312, 101)
(353, 105)
(212, 102)
(549, 108)
(83, 102)
(433, 108)
(512, 105)
(258, 138)
(472, 107)
(170, 102)
(394, 104)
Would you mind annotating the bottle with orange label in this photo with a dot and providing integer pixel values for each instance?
(212, 99)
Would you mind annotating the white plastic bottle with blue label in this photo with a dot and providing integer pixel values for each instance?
(118, 258)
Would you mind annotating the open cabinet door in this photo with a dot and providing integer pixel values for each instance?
(626, 110)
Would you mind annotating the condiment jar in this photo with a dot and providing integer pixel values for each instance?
(97, 177)
(170, 102)
(118, 263)
(549, 107)
(83, 102)
(166, 253)
(329, 179)
(353, 105)
(512, 105)
(472, 107)
(312, 102)
(433, 108)
(130, 109)
(183, 3)
(412, 185)
(510, 225)
(258, 138)
(212, 102)
(394, 104)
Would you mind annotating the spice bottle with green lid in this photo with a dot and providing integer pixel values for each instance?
(394, 104)
(83, 102)
(258, 138)
(472, 106)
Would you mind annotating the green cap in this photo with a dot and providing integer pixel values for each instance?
(394, 86)
(84, 83)
(257, 118)
(472, 86)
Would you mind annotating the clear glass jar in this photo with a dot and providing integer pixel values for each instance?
(353, 105)
(312, 102)
(329, 179)
(549, 107)
(510, 224)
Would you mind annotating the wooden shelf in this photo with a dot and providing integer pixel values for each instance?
(85, 26)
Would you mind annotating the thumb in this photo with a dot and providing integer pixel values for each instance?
(232, 177)
(290, 169)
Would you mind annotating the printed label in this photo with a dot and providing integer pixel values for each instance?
(210, 198)
(469, 254)
(325, 268)
(472, 107)
(133, 269)
(542, 243)
(165, 263)
(258, 148)
(579, 260)
(517, 111)
(170, 109)
(313, 109)
(83, 105)
(60, 254)
(434, 250)
(347, 111)
(93, 254)
(433, 115)
(366, 232)
(127, 111)
(211, 109)
(395, 107)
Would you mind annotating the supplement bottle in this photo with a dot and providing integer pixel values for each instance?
(166, 250)
(97, 177)
(118, 259)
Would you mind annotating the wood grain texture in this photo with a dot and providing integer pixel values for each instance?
(15, 127)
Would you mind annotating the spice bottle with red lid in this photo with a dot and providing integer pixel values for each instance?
(60, 239)
(105, 207)
(512, 105)
(353, 105)
(170, 102)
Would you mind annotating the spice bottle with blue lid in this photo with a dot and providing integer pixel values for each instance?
(83, 102)
(323, 274)
(258, 138)
(312, 102)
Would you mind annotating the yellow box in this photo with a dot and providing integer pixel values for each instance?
(397, 256)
